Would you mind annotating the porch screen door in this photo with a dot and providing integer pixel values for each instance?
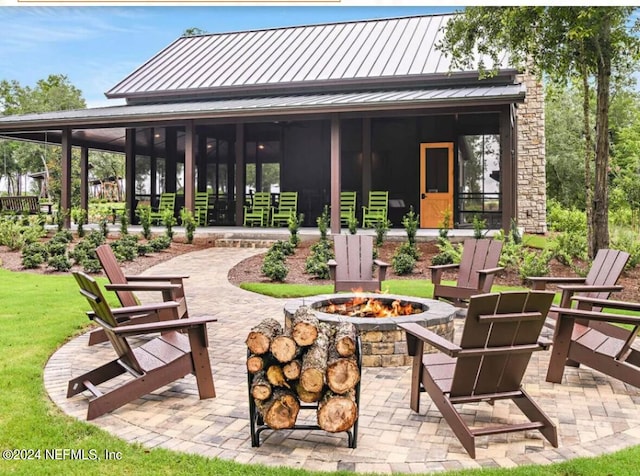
(436, 183)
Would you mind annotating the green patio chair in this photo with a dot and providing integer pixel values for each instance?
(201, 212)
(287, 207)
(258, 211)
(376, 212)
(347, 207)
(167, 202)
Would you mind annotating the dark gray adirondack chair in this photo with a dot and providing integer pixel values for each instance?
(476, 271)
(599, 283)
(597, 340)
(353, 267)
(171, 287)
(500, 333)
(156, 363)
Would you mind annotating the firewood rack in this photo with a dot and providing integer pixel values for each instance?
(258, 426)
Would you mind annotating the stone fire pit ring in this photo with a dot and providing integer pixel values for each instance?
(383, 343)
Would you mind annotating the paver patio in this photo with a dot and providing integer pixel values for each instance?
(595, 414)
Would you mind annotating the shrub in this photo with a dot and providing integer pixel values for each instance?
(91, 265)
(449, 254)
(284, 247)
(57, 249)
(625, 240)
(293, 224)
(534, 263)
(63, 236)
(12, 233)
(316, 264)
(160, 243)
(103, 225)
(32, 261)
(352, 224)
(409, 249)
(168, 220)
(144, 216)
(323, 222)
(189, 223)
(410, 223)
(563, 219)
(61, 218)
(126, 248)
(60, 262)
(124, 222)
(79, 216)
(274, 267)
(479, 225)
(34, 254)
(381, 228)
(567, 246)
(96, 238)
(403, 263)
(144, 249)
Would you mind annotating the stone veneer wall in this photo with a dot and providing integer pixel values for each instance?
(532, 203)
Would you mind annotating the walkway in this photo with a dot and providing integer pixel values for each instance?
(595, 414)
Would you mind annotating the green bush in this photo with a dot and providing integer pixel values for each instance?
(12, 233)
(409, 249)
(144, 216)
(534, 263)
(563, 219)
(285, 247)
(293, 224)
(352, 224)
(59, 262)
(449, 253)
(126, 248)
(316, 264)
(91, 265)
(625, 240)
(323, 222)
(381, 228)
(160, 243)
(410, 223)
(63, 236)
(34, 254)
(274, 267)
(479, 226)
(168, 220)
(56, 248)
(403, 263)
(189, 223)
(32, 261)
(124, 222)
(144, 249)
(567, 246)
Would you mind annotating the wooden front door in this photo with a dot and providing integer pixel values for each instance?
(436, 184)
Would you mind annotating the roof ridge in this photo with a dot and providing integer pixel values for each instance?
(291, 27)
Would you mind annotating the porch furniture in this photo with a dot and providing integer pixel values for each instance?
(476, 270)
(600, 340)
(171, 287)
(201, 212)
(153, 364)
(500, 333)
(376, 211)
(23, 204)
(258, 210)
(287, 208)
(599, 283)
(353, 266)
(167, 202)
(347, 207)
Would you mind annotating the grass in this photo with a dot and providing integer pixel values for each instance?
(39, 313)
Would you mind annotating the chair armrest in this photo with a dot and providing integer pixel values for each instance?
(490, 270)
(437, 270)
(163, 326)
(599, 316)
(382, 269)
(444, 266)
(590, 288)
(157, 277)
(627, 306)
(144, 309)
(332, 269)
(540, 282)
(380, 263)
(431, 338)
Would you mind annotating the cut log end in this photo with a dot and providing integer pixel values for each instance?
(281, 410)
(337, 413)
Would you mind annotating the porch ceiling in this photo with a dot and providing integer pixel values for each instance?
(104, 127)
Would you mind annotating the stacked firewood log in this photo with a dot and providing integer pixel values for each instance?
(311, 362)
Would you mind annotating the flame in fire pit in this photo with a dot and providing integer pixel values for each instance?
(364, 306)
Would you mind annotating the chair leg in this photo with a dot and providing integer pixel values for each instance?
(102, 374)
(535, 414)
(201, 362)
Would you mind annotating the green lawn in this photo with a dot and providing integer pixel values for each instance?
(38, 314)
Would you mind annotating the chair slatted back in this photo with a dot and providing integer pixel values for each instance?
(477, 255)
(91, 291)
(167, 201)
(354, 255)
(605, 270)
(201, 205)
(378, 201)
(114, 272)
(347, 204)
(261, 201)
(509, 321)
(288, 202)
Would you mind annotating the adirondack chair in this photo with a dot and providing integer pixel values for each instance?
(476, 270)
(500, 333)
(347, 207)
(376, 211)
(353, 266)
(152, 365)
(287, 208)
(599, 283)
(258, 211)
(171, 287)
(201, 213)
(600, 340)
(167, 202)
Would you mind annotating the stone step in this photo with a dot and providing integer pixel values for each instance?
(243, 243)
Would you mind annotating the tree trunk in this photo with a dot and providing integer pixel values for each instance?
(337, 412)
(601, 193)
(260, 387)
(260, 337)
(284, 348)
(314, 363)
(304, 327)
(588, 158)
(281, 410)
(342, 372)
(345, 339)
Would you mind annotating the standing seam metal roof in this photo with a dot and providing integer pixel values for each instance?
(388, 48)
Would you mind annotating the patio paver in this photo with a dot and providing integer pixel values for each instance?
(595, 414)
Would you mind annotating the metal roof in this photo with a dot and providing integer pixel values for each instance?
(336, 53)
(270, 106)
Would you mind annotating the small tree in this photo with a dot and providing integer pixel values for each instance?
(294, 226)
(189, 223)
(144, 216)
(323, 222)
(124, 222)
(169, 221)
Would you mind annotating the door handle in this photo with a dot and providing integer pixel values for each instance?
(423, 196)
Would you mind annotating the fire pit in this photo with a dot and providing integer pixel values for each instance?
(383, 343)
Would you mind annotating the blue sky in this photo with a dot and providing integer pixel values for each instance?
(97, 46)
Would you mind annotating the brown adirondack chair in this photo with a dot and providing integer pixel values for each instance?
(599, 283)
(353, 266)
(476, 271)
(156, 363)
(500, 333)
(599, 340)
(171, 287)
